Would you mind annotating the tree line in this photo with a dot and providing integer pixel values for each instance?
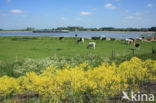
(80, 28)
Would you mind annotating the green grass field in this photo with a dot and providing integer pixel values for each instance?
(41, 47)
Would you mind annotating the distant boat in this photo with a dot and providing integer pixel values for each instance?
(51, 31)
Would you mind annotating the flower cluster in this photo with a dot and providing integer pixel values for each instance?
(75, 82)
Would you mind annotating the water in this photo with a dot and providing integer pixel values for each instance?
(80, 34)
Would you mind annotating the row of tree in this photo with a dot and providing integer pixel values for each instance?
(79, 28)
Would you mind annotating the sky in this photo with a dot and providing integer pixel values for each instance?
(20, 14)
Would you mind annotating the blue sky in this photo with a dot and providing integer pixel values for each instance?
(19, 14)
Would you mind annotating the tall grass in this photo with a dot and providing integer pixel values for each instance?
(16, 69)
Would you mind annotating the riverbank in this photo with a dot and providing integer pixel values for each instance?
(14, 31)
(86, 31)
(124, 31)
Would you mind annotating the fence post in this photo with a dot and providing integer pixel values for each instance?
(133, 52)
(152, 50)
(113, 53)
(54, 55)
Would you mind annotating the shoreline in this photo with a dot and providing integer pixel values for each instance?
(124, 31)
(88, 31)
(13, 31)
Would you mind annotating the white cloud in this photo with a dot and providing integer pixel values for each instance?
(9, 0)
(63, 18)
(109, 6)
(4, 14)
(126, 11)
(139, 18)
(94, 9)
(138, 14)
(16, 11)
(85, 13)
(129, 17)
(149, 5)
(133, 18)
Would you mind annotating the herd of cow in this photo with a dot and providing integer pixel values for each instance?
(81, 40)
(136, 42)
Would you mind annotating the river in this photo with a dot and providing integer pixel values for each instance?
(86, 34)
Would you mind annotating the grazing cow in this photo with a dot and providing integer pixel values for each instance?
(61, 38)
(129, 40)
(91, 44)
(80, 40)
(137, 45)
(139, 39)
(102, 37)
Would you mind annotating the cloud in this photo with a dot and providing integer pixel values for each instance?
(129, 17)
(139, 18)
(109, 6)
(149, 5)
(138, 14)
(4, 14)
(16, 11)
(63, 18)
(133, 18)
(94, 9)
(9, 0)
(126, 11)
(85, 13)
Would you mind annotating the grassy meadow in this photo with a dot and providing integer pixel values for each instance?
(41, 47)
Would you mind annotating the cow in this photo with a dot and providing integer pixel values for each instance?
(91, 44)
(80, 40)
(61, 38)
(137, 45)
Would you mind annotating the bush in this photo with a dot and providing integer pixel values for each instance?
(82, 82)
(104, 38)
(95, 38)
(112, 39)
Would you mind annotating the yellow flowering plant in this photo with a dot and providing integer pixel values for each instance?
(68, 82)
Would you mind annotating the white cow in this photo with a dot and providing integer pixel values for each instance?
(129, 41)
(80, 40)
(102, 37)
(91, 44)
(139, 39)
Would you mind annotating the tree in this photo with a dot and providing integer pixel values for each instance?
(30, 29)
(152, 29)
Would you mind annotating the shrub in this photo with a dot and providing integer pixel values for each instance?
(77, 83)
(112, 39)
(95, 38)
